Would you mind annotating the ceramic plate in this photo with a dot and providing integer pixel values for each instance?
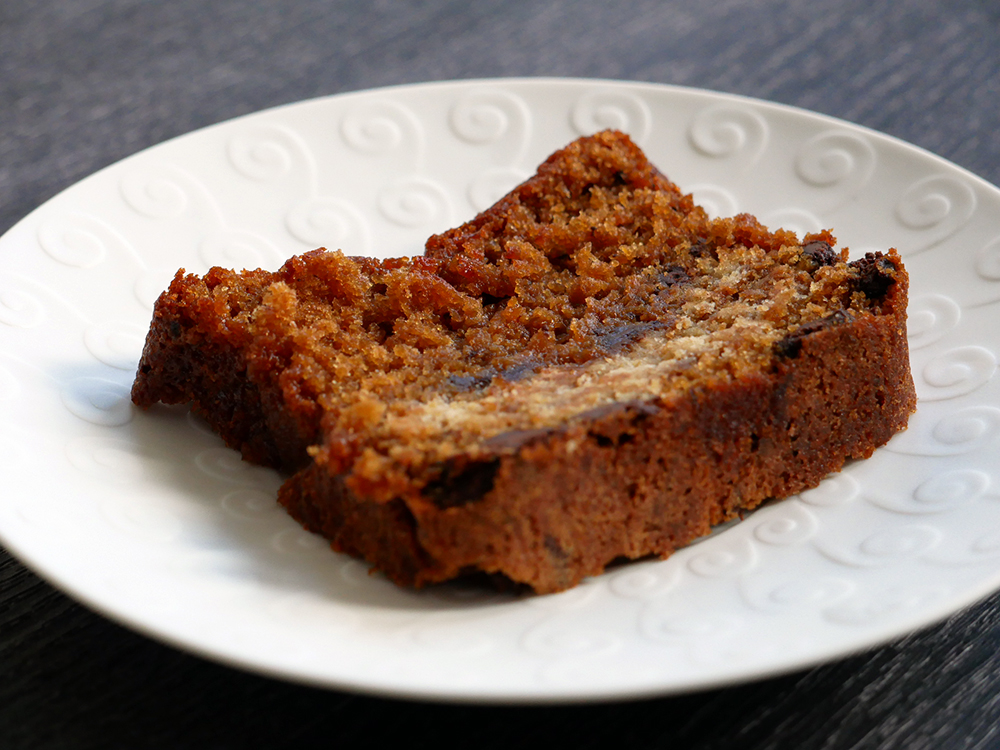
(149, 519)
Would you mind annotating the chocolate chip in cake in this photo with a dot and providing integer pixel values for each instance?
(462, 484)
(472, 382)
(674, 275)
(635, 410)
(702, 247)
(514, 439)
(554, 548)
(790, 346)
(615, 338)
(818, 254)
(520, 370)
(876, 273)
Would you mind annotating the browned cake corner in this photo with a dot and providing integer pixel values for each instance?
(591, 369)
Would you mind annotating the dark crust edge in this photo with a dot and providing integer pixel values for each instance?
(183, 363)
(637, 480)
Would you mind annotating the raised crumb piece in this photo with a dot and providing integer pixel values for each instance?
(590, 370)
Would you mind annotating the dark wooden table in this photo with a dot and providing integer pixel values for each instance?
(84, 83)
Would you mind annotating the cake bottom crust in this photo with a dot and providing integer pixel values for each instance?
(632, 479)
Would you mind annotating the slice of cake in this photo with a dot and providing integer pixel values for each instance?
(590, 370)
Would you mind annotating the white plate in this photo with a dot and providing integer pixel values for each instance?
(149, 519)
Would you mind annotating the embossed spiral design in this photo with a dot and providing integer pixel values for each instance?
(935, 207)
(486, 116)
(18, 307)
(811, 592)
(839, 489)
(414, 202)
(263, 153)
(330, 223)
(156, 196)
(110, 460)
(493, 184)
(956, 372)
(929, 318)
(149, 285)
(897, 543)
(952, 488)
(478, 123)
(379, 127)
(723, 561)
(987, 262)
(73, 240)
(116, 343)
(295, 541)
(618, 110)
(987, 544)
(982, 549)
(796, 220)
(98, 401)
(795, 594)
(250, 504)
(573, 598)
(644, 581)
(886, 547)
(958, 432)
(930, 201)
(716, 200)
(224, 464)
(835, 159)
(794, 524)
(728, 130)
(938, 494)
(238, 250)
(968, 428)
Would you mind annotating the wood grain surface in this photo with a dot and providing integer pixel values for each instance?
(84, 83)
